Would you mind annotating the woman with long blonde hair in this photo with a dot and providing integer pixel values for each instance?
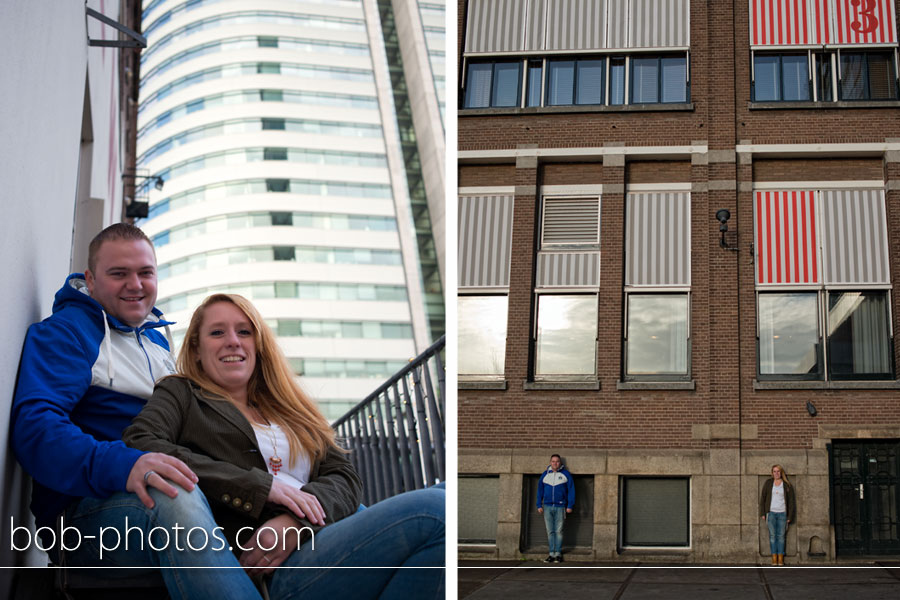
(278, 485)
(778, 508)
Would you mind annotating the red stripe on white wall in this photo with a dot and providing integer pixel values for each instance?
(786, 237)
(865, 21)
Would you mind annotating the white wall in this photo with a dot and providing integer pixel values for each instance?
(42, 103)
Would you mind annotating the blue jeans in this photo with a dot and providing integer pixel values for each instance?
(777, 523)
(405, 530)
(554, 517)
(122, 529)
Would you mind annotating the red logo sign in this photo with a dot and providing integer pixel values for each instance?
(865, 21)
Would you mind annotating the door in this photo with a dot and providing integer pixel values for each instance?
(864, 496)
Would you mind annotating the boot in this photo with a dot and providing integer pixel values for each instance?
(781, 560)
(774, 559)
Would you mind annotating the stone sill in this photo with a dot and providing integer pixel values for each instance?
(842, 104)
(484, 384)
(562, 385)
(549, 110)
(656, 385)
(826, 385)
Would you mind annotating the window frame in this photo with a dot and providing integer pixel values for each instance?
(780, 55)
(493, 82)
(661, 377)
(622, 542)
(815, 61)
(535, 340)
(824, 338)
(526, 62)
(485, 293)
(630, 81)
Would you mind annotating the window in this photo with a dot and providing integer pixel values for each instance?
(823, 285)
(482, 334)
(535, 83)
(781, 77)
(579, 529)
(492, 84)
(656, 340)
(566, 342)
(868, 76)
(654, 511)
(479, 502)
(658, 79)
(787, 77)
(591, 80)
(858, 342)
(657, 286)
(575, 81)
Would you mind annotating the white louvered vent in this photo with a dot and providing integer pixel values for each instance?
(571, 222)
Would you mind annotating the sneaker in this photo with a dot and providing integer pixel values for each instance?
(559, 558)
(549, 559)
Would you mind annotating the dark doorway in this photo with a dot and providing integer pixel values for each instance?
(865, 499)
(578, 532)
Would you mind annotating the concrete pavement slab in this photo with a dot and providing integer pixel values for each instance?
(867, 591)
(570, 590)
(696, 575)
(566, 573)
(799, 576)
(694, 591)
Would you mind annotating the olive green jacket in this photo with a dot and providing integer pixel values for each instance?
(218, 443)
(765, 499)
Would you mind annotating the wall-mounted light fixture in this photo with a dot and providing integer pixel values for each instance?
(722, 215)
(137, 205)
(811, 408)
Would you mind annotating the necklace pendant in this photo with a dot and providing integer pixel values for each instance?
(275, 464)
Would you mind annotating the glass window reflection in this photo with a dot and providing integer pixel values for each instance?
(657, 335)
(789, 334)
(566, 336)
(482, 334)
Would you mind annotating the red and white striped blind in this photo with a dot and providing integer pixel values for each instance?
(786, 248)
(815, 22)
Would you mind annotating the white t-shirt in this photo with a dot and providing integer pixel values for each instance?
(778, 505)
(298, 475)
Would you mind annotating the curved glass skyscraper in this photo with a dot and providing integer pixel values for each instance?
(295, 175)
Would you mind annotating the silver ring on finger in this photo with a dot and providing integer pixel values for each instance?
(148, 474)
(267, 559)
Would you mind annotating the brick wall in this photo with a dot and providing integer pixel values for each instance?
(723, 309)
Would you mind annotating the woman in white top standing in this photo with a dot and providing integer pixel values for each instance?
(778, 508)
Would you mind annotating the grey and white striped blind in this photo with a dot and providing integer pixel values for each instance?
(496, 25)
(535, 25)
(484, 240)
(854, 237)
(659, 23)
(570, 222)
(568, 269)
(658, 239)
(576, 25)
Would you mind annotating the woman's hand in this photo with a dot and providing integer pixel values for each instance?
(302, 504)
(281, 534)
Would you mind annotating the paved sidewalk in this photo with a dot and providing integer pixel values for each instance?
(615, 581)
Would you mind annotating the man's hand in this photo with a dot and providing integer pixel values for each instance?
(302, 504)
(152, 469)
(281, 534)
(568, 510)
(540, 510)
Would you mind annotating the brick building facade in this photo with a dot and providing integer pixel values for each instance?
(604, 315)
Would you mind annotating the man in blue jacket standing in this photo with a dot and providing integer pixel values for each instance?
(555, 498)
(85, 372)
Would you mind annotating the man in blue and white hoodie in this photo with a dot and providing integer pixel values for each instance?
(85, 372)
(555, 499)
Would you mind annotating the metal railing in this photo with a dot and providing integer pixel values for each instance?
(396, 435)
